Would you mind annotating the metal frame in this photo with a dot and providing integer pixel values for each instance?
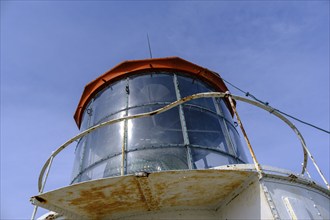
(174, 76)
(183, 122)
(157, 147)
(170, 106)
(89, 123)
(46, 168)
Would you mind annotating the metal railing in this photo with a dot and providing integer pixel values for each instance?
(46, 168)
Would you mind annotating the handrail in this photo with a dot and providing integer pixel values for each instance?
(172, 105)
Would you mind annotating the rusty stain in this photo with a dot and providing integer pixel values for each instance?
(108, 199)
(129, 195)
(149, 198)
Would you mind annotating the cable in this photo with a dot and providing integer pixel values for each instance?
(266, 103)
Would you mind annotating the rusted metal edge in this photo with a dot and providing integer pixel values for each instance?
(39, 201)
(254, 158)
(147, 188)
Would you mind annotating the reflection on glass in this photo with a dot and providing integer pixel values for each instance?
(155, 143)
(152, 160)
(78, 157)
(204, 159)
(96, 172)
(112, 167)
(110, 100)
(204, 129)
(162, 129)
(189, 86)
(86, 118)
(237, 143)
(151, 88)
(225, 110)
(104, 142)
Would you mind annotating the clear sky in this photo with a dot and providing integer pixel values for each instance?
(277, 50)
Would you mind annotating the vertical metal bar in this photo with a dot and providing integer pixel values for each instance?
(83, 153)
(34, 212)
(226, 130)
(125, 134)
(123, 149)
(48, 169)
(43, 186)
(309, 176)
(183, 123)
(317, 168)
(255, 161)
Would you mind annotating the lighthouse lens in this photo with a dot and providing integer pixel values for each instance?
(204, 128)
(158, 130)
(189, 86)
(198, 134)
(151, 88)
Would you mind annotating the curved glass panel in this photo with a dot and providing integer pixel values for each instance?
(189, 86)
(151, 88)
(152, 160)
(86, 118)
(225, 110)
(204, 128)
(78, 157)
(157, 130)
(204, 159)
(94, 173)
(237, 143)
(112, 167)
(104, 142)
(110, 100)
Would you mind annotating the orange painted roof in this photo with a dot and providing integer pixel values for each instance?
(131, 67)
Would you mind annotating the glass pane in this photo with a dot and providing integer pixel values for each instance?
(225, 111)
(162, 129)
(152, 160)
(204, 128)
(110, 100)
(204, 159)
(78, 157)
(85, 119)
(112, 166)
(104, 142)
(151, 88)
(237, 143)
(190, 86)
(95, 172)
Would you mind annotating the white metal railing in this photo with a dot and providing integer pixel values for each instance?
(46, 168)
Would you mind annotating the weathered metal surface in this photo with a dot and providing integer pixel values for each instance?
(294, 199)
(251, 203)
(130, 195)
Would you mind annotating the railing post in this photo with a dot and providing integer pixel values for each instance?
(42, 186)
(255, 161)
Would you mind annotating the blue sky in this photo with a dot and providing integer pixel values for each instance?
(277, 50)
